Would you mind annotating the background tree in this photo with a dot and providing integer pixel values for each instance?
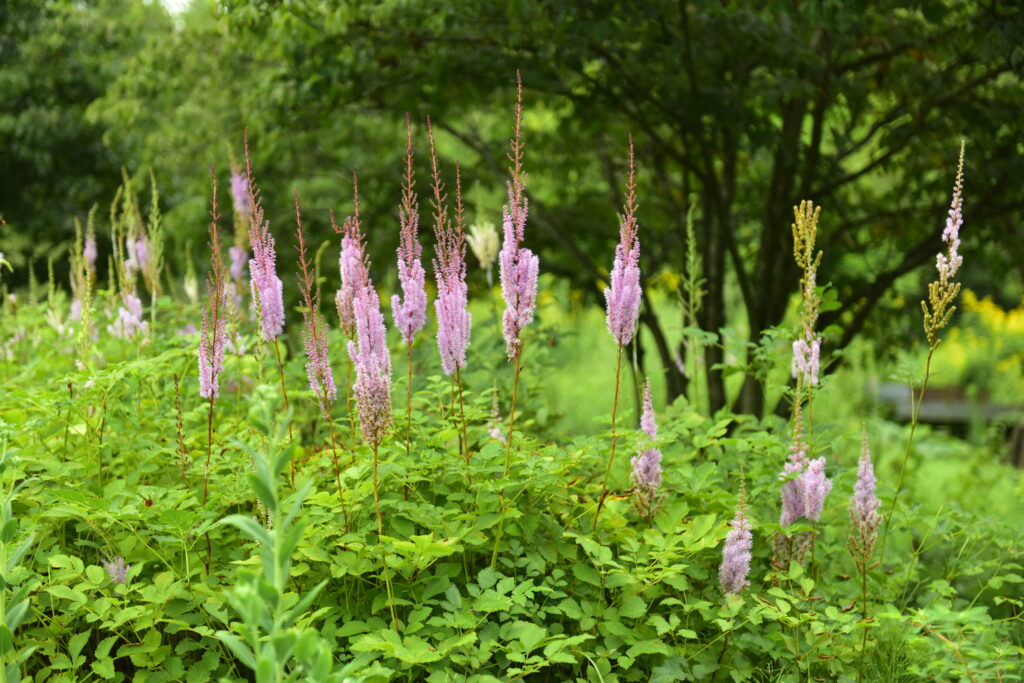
(57, 58)
(742, 108)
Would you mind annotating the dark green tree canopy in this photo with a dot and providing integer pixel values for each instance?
(742, 109)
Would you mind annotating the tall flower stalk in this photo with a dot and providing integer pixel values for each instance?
(266, 286)
(350, 262)
(451, 306)
(865, 520)
(732, 574)
(314, 340)
(647, 464)
(411, 313)
(518, 265)
(213, 334)
(372, 361)
(938, 311)
(805, 485)
(623, 299)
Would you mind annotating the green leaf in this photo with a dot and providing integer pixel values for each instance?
(633, 608)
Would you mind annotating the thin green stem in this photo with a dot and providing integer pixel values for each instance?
(611, 456)
(512, 412)
(337, 471)
(916, 409)
(864, 601)
(209, 450)
(376, 492)
(284, 392)
(462, 411)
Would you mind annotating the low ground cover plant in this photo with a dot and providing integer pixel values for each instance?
(240, 490)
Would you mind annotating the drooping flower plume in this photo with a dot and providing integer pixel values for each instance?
(623, 296)
(518, 266)
(732, 574)
(213, 333)
(411, 314)
(453, 318)
(266, 286)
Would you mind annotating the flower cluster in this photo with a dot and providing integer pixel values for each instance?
(804, 489)
(411, 314)
(213, 333)
(864, 513)
(623, 296)
(943, 292)
(453, 318)
(372, 360)
(117, 569)
(240, 194)
(518, 266)
(647, 464)
(807, 347)
(736, 555)
(129, 322)
(314, 331)
(266, 286)
(350, 263)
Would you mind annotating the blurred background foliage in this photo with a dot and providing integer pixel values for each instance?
(740, 109)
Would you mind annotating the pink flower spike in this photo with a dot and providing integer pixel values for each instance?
(623, 296)
(453, 318)
(213, 334)
(266, 286)
(732, 574)
(314, 333)
(410, 315)
(518, 266)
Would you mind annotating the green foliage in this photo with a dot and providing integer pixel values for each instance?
(283, 592)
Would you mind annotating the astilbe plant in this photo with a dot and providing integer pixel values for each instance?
(623, 300)
(805, 484)
(372, 361)
(267, 288)
(349, 263)
(865, 520)
(937, 310)
(213, 333)
(451, 306)
(409, 310)
(314, 341)
(518, 266)
(736, 554)
(647, 464)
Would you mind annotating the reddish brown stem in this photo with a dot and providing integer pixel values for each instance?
(611, 457)
(337, 472)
